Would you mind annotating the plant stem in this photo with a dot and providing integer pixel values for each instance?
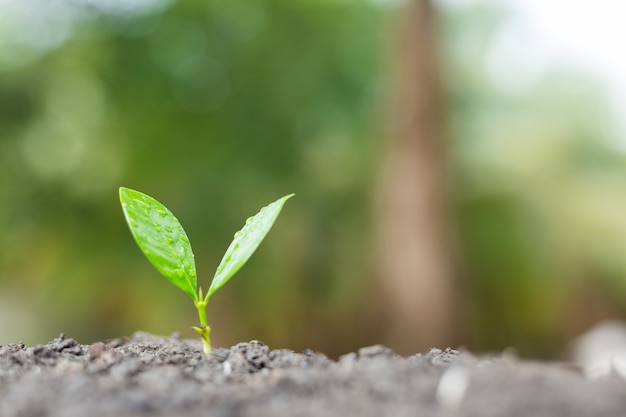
(203, 330)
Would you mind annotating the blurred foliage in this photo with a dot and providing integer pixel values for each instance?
(540, 173)
(217, 107)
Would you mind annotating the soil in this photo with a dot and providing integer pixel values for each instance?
(147, 375)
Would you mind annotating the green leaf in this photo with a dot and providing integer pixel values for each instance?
(161, 238)
(245, 243)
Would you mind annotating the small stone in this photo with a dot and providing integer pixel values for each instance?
(376, 350)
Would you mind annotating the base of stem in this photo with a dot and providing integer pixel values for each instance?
(205, 336)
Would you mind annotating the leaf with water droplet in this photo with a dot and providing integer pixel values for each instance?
(161, 238)
(246, 241)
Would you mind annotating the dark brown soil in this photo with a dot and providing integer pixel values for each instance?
(154, 376)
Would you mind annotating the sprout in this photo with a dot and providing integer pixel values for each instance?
(163, 240)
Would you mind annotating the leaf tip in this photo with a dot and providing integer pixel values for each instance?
(284, 198)
(123, 192)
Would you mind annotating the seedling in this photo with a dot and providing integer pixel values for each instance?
(164, 242)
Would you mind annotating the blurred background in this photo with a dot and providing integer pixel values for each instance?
(459, 168)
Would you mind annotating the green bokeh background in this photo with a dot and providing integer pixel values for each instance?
(216, 108)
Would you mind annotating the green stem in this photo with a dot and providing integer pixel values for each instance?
(203, 330)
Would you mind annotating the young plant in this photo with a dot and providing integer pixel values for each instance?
(164, 242)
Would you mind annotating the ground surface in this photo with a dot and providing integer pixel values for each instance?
(154, 376)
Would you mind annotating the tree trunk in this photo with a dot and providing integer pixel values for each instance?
(416, 272)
